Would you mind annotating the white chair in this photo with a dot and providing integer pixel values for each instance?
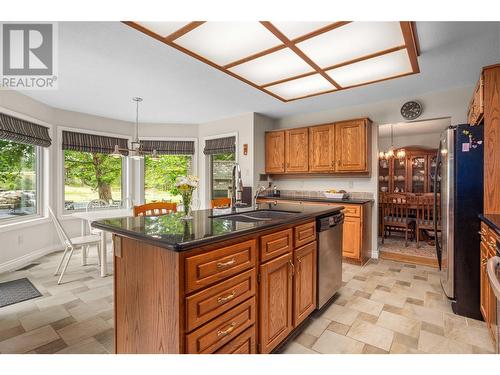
(71, 243)
(94, 204)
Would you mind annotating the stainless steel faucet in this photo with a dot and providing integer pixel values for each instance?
(236, 187)
(260, 189)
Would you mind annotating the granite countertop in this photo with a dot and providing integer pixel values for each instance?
(317, 199)
(173, 233)
(493, 220)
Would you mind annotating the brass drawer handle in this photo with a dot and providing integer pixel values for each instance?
(226, 264)
(229, 297)
(227, 331)
(484, 261)
(492, 244)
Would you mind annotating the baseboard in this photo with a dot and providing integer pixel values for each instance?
(20, 262)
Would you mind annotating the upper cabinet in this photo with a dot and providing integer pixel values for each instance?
(342, 147)
(476, 105)
(275, 152)
(296, 146)
(351, 145)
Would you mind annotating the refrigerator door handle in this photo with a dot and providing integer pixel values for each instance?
(438, 168)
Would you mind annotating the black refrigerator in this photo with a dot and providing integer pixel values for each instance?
(458, 191)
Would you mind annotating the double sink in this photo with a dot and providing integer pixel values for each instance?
(256, 215)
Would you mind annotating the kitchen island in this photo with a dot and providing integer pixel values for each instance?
(222, 282)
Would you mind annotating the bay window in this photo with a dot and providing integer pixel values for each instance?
(222, 158)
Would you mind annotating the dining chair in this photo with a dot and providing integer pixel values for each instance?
(155, 209)
(425, 215)
(395, 215)
(221, 203)
(93, 205)
(70, 244)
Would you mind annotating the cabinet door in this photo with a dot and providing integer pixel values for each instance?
(351, 237)
(484, 282)
(321, 148)
(275, 152)
(304, 282)
(275, 302)
(351, 146)
(296, 150)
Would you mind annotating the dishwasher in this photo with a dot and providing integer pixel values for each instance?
(329, 231)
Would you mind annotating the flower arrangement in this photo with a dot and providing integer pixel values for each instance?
(186, 186)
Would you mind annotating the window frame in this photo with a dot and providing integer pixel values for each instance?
(42, 170)
(125, 178)
(142, 168)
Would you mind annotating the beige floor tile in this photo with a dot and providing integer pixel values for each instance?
(306, 339)
(29, 340)
(43, 317)
(88, 310)
(371, 334)
(423, 313)
(76, 332)
(458, 330)
(389, 298)
(435, 344)
(368, 349)
(408, 341)
(339, 328)
(86, 346)
(333, 343)
(296, 348)
(55, 300)
(340, 314)
(365, 305)
(317, 326)
(399, 323)
(398, 348)
(94, 294)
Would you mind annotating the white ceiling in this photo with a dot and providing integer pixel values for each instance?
(414, 127)
(102, 65)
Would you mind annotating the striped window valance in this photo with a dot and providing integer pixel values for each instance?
(169, 147)
(91, 142)
(22, 131)
(220, 145)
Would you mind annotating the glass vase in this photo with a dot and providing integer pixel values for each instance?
(186, 206)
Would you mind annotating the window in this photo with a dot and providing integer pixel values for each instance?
(160, 175)
(91, 175)
(19, 179)
(221, 169)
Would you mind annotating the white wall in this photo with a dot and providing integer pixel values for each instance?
(261, 125)
(429, 140)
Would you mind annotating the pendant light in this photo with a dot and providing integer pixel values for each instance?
(391, 153)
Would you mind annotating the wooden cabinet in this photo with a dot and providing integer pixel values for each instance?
(243, 344)
(351, 237)
(275, 152)
(476, 106)
(356, 243)
(322, 148)
(304, 282)
(296, 150)
(276, 302)
(484, 283)
(342, 147)
(351, 146)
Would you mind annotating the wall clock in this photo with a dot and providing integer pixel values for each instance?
(411, 110)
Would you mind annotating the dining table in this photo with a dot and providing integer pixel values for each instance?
(88, 217)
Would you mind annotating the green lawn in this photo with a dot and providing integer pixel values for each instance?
(86, 194)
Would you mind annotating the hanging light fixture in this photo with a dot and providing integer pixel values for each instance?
(391, 153)
(135, 151)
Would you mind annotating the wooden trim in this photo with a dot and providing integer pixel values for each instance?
(413, 25)
(254, 56)
(411, 46)
(411, 259)
(287, 42)
(183, 30)
(288, 79)
(320, 31)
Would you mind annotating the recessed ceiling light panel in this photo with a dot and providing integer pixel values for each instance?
(273, 67)
(163, 29)
(226, 42)
(293, 30)
(377, 68)
(301, 87)
(351, 41)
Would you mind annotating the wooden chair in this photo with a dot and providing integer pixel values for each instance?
(221, 203)
(155, 209)
(395, 215)
(425, 215)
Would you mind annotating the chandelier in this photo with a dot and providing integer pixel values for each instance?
(135, 151)
(391, 153)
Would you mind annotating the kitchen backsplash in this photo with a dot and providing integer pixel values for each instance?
(316, 194)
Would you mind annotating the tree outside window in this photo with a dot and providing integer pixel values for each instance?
(221, 169)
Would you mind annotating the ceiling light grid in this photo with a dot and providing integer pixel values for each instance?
(295, 60)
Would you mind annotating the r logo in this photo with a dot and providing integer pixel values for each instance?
(27, 49)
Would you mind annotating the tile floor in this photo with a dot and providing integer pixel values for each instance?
(383, 307)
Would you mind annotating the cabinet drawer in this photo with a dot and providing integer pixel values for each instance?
(305, 233)
(243, 344)
(220, 331)
(352, 211)
(275, 244)
(207, 304)
(205, 269)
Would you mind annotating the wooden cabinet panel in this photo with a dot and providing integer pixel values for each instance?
(484, 283)
(218, 332)
(296, 150)
(351, 237)
(275, 244)
(213, 301)
(351, 145)
(275, 309)
(352, 210)
(275, 152)
(207, 268)
(305, 233)
(243, 344)
(322, 148)
(476, 105)
(305, 261)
